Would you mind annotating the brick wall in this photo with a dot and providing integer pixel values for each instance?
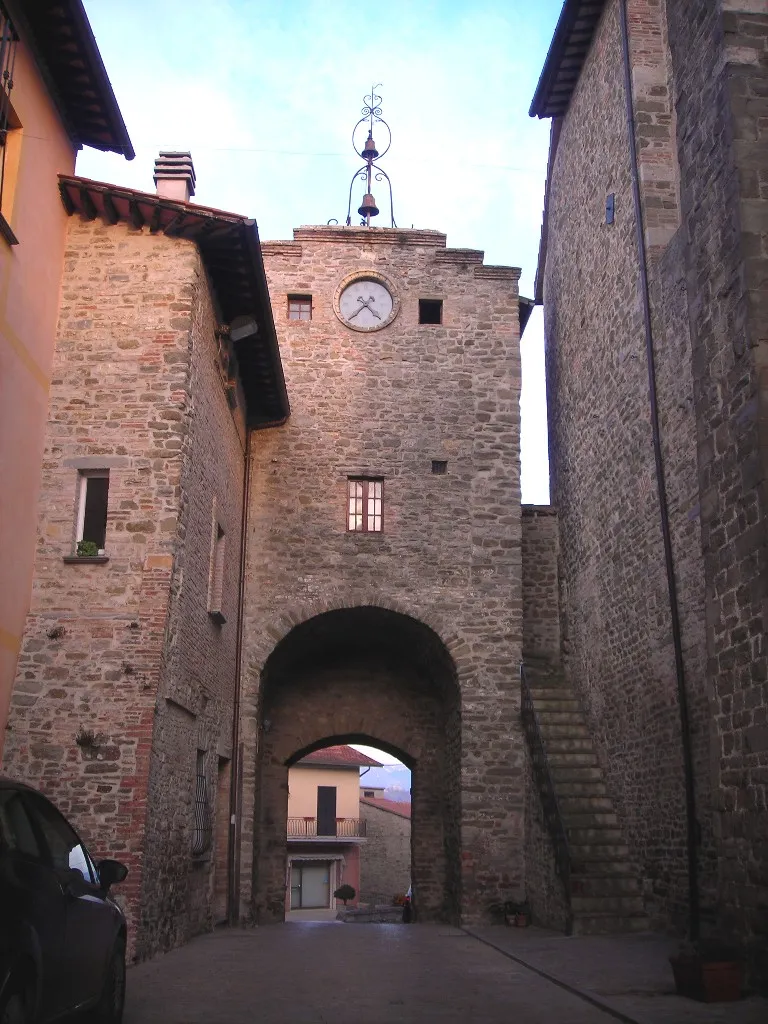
(385, 861)
(387, 404)
(541, 608)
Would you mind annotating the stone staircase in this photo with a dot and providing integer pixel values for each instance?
(605, 891)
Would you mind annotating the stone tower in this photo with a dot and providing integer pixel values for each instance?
(383, 590)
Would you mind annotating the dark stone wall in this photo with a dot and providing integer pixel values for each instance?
(720, 55)
(699, 128)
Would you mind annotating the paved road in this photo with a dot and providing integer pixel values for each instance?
(307, 973)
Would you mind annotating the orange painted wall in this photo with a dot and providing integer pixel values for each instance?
(30, 281)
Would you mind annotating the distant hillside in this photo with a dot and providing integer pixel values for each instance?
(395, 778)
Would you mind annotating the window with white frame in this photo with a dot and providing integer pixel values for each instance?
(92, 510)
(365, 498)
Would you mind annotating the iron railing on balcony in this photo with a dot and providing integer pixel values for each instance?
(342, 828)
(542, 774)
(8, 40)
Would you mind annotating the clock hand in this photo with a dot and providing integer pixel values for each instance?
(364, 304)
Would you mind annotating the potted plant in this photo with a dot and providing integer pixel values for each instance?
(87, 549)
(345, 892)
(708, 971)
(523, 915)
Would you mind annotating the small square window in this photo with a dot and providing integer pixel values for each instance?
(299, 307)
(365, 505)
(430, 311)
(439, 467)
(92, 507)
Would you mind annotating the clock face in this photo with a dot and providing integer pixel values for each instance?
(366, 304)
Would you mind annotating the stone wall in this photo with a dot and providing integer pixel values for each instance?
(615, 604)
(194, 712)
(543, 888)
(719, 55)
(699, 83)
(387, 404)
(385, 859)
(541, 604)
(132, 392)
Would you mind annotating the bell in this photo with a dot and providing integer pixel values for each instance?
(369, 207)
(369, 150)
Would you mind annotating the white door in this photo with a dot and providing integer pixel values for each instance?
(316, 884)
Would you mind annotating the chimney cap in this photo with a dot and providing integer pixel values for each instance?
(175, 165)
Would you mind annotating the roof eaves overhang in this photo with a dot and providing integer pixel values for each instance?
(230, 250)
(567, 52)
(64, 48)
(538, 288)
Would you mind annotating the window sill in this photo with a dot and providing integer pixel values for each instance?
(5, 231)
(217, 617)
(85, 559)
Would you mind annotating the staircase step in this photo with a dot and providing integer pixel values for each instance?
(584, 853)
(555, 729)
(567, 772)
(588, 869)
(547, 704)
(582, 804)
(607, 905)
(597, 836)
(609, 924)
(605, 885)
(573, 759)
(582, 820)
(566, 744)
(592, 788)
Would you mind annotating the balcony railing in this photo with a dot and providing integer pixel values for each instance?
(342, 828)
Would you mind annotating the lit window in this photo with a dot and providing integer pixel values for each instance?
(364, 505)
(430, 311)
(92, 511)
(216, 573)
(10, 127)
(299, 307)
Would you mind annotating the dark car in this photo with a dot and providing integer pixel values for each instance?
(62, 939)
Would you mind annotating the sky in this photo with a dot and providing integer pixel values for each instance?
(265, 96)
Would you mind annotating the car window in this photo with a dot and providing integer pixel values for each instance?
(16, 832)
(65, 848)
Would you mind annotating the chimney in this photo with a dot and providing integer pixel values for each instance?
(175, 176)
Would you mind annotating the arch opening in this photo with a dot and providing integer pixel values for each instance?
(371, 676)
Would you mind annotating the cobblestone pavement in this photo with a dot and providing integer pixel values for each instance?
(343, 974)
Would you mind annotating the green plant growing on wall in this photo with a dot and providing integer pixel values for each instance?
(87, 549)
(345, 892)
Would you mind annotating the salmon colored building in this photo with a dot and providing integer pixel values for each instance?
(325, 830)
(55, 97)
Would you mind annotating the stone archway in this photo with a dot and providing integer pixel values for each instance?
(373, 675)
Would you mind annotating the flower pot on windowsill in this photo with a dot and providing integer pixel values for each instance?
(709, 981)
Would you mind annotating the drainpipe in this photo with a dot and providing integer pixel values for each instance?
(682, 699)
(233, 859)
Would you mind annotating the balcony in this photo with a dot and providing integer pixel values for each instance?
(342, 830)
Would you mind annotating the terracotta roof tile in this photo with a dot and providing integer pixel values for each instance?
(394, 806)
(342, 755)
